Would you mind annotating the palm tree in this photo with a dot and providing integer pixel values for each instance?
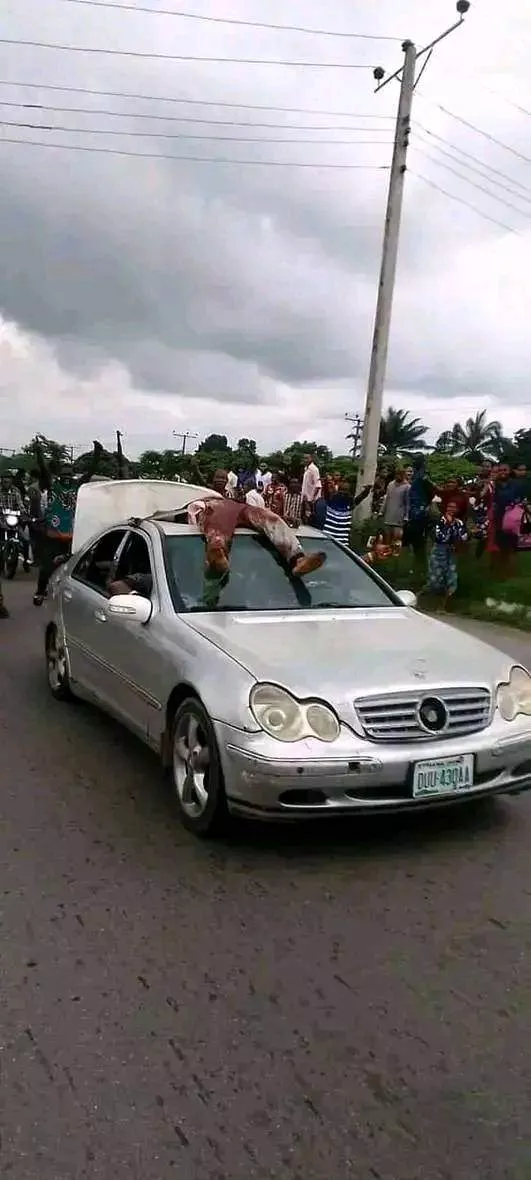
(400, 432)
(476, 440)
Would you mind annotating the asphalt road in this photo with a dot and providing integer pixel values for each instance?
(309, 1005)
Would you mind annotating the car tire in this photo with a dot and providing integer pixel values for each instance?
(196, 772)
(57, 667)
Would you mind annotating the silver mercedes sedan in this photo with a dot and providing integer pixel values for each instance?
(280, 698)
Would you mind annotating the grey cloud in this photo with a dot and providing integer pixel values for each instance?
(207, 280)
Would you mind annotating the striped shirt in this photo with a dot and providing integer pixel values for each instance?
(338, 523)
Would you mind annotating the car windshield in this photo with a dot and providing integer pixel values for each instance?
(259, 580)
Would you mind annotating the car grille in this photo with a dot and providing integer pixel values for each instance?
(394, 718)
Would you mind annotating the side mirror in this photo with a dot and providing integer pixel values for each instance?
(131, 607)
(407, 598)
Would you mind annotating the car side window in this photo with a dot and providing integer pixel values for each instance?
(94, 567)
(135, 562)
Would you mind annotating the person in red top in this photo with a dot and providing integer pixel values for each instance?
(275, 495)
(453, 493)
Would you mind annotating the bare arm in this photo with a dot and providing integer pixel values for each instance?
(120, 455)
(45, 479)
(362, 495)
(94, 464)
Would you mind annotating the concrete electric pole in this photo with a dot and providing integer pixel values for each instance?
(386, 285)
(355, 433)
(187, 434)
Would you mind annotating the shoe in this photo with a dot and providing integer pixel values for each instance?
(307, 563)
(38, 599)
(4, 613)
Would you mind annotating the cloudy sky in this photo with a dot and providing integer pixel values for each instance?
(232, 288)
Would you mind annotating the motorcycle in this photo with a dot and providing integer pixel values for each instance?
(10, 541)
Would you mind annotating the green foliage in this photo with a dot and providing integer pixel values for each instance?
(478, 439)
(457, 452)
(161, 464)
(55, 453)
(400, 432)
(441, 467)
(214, 444)
(522, 447)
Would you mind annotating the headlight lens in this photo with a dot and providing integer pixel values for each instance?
(289, 720)
(514, 698)
(11, 520)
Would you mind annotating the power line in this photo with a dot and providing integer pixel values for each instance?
(476, 171)
(204, 102)
(227, 20)
(480, 131)
(462, 201)
(186, 136)
(512, 180)
(142, 54)
(39, 106)
(78, 147)
(473, 183)
(510, 101)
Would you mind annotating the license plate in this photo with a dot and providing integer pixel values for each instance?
(443, 776)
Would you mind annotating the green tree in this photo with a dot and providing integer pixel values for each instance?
(107, 466)
(161, 464)
(522, 447)
(476, 441)
(400, 432)
(55, 453)
(295, 452)
(441, 467)
(214, 443)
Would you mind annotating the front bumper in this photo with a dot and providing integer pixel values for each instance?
(269, 780)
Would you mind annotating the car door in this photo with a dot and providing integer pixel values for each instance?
(84, 597)
(128, 649)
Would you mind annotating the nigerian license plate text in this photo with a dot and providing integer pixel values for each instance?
(443, 776)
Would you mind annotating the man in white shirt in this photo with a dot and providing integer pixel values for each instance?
(253, 497)
(311, 485)
(263, 478)
(231, 485)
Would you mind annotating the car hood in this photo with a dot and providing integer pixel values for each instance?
(333, 654)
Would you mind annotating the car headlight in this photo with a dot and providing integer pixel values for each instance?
(289, 720)
(514, 698)
(11, 520)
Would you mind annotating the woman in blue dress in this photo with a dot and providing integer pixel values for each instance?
(442, 567)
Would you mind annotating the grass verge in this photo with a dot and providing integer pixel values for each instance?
(480, 593)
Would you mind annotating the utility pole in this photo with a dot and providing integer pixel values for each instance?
(187, 434)
(386, 284)
(356, 432)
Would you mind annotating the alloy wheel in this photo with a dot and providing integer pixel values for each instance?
(191, 761)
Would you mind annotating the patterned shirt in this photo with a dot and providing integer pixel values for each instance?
(293, 508)
(275, 497)
(450, 532)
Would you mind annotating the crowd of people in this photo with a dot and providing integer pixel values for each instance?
(324, 500)
(493, 510)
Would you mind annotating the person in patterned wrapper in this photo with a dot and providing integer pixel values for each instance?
(218, 521)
